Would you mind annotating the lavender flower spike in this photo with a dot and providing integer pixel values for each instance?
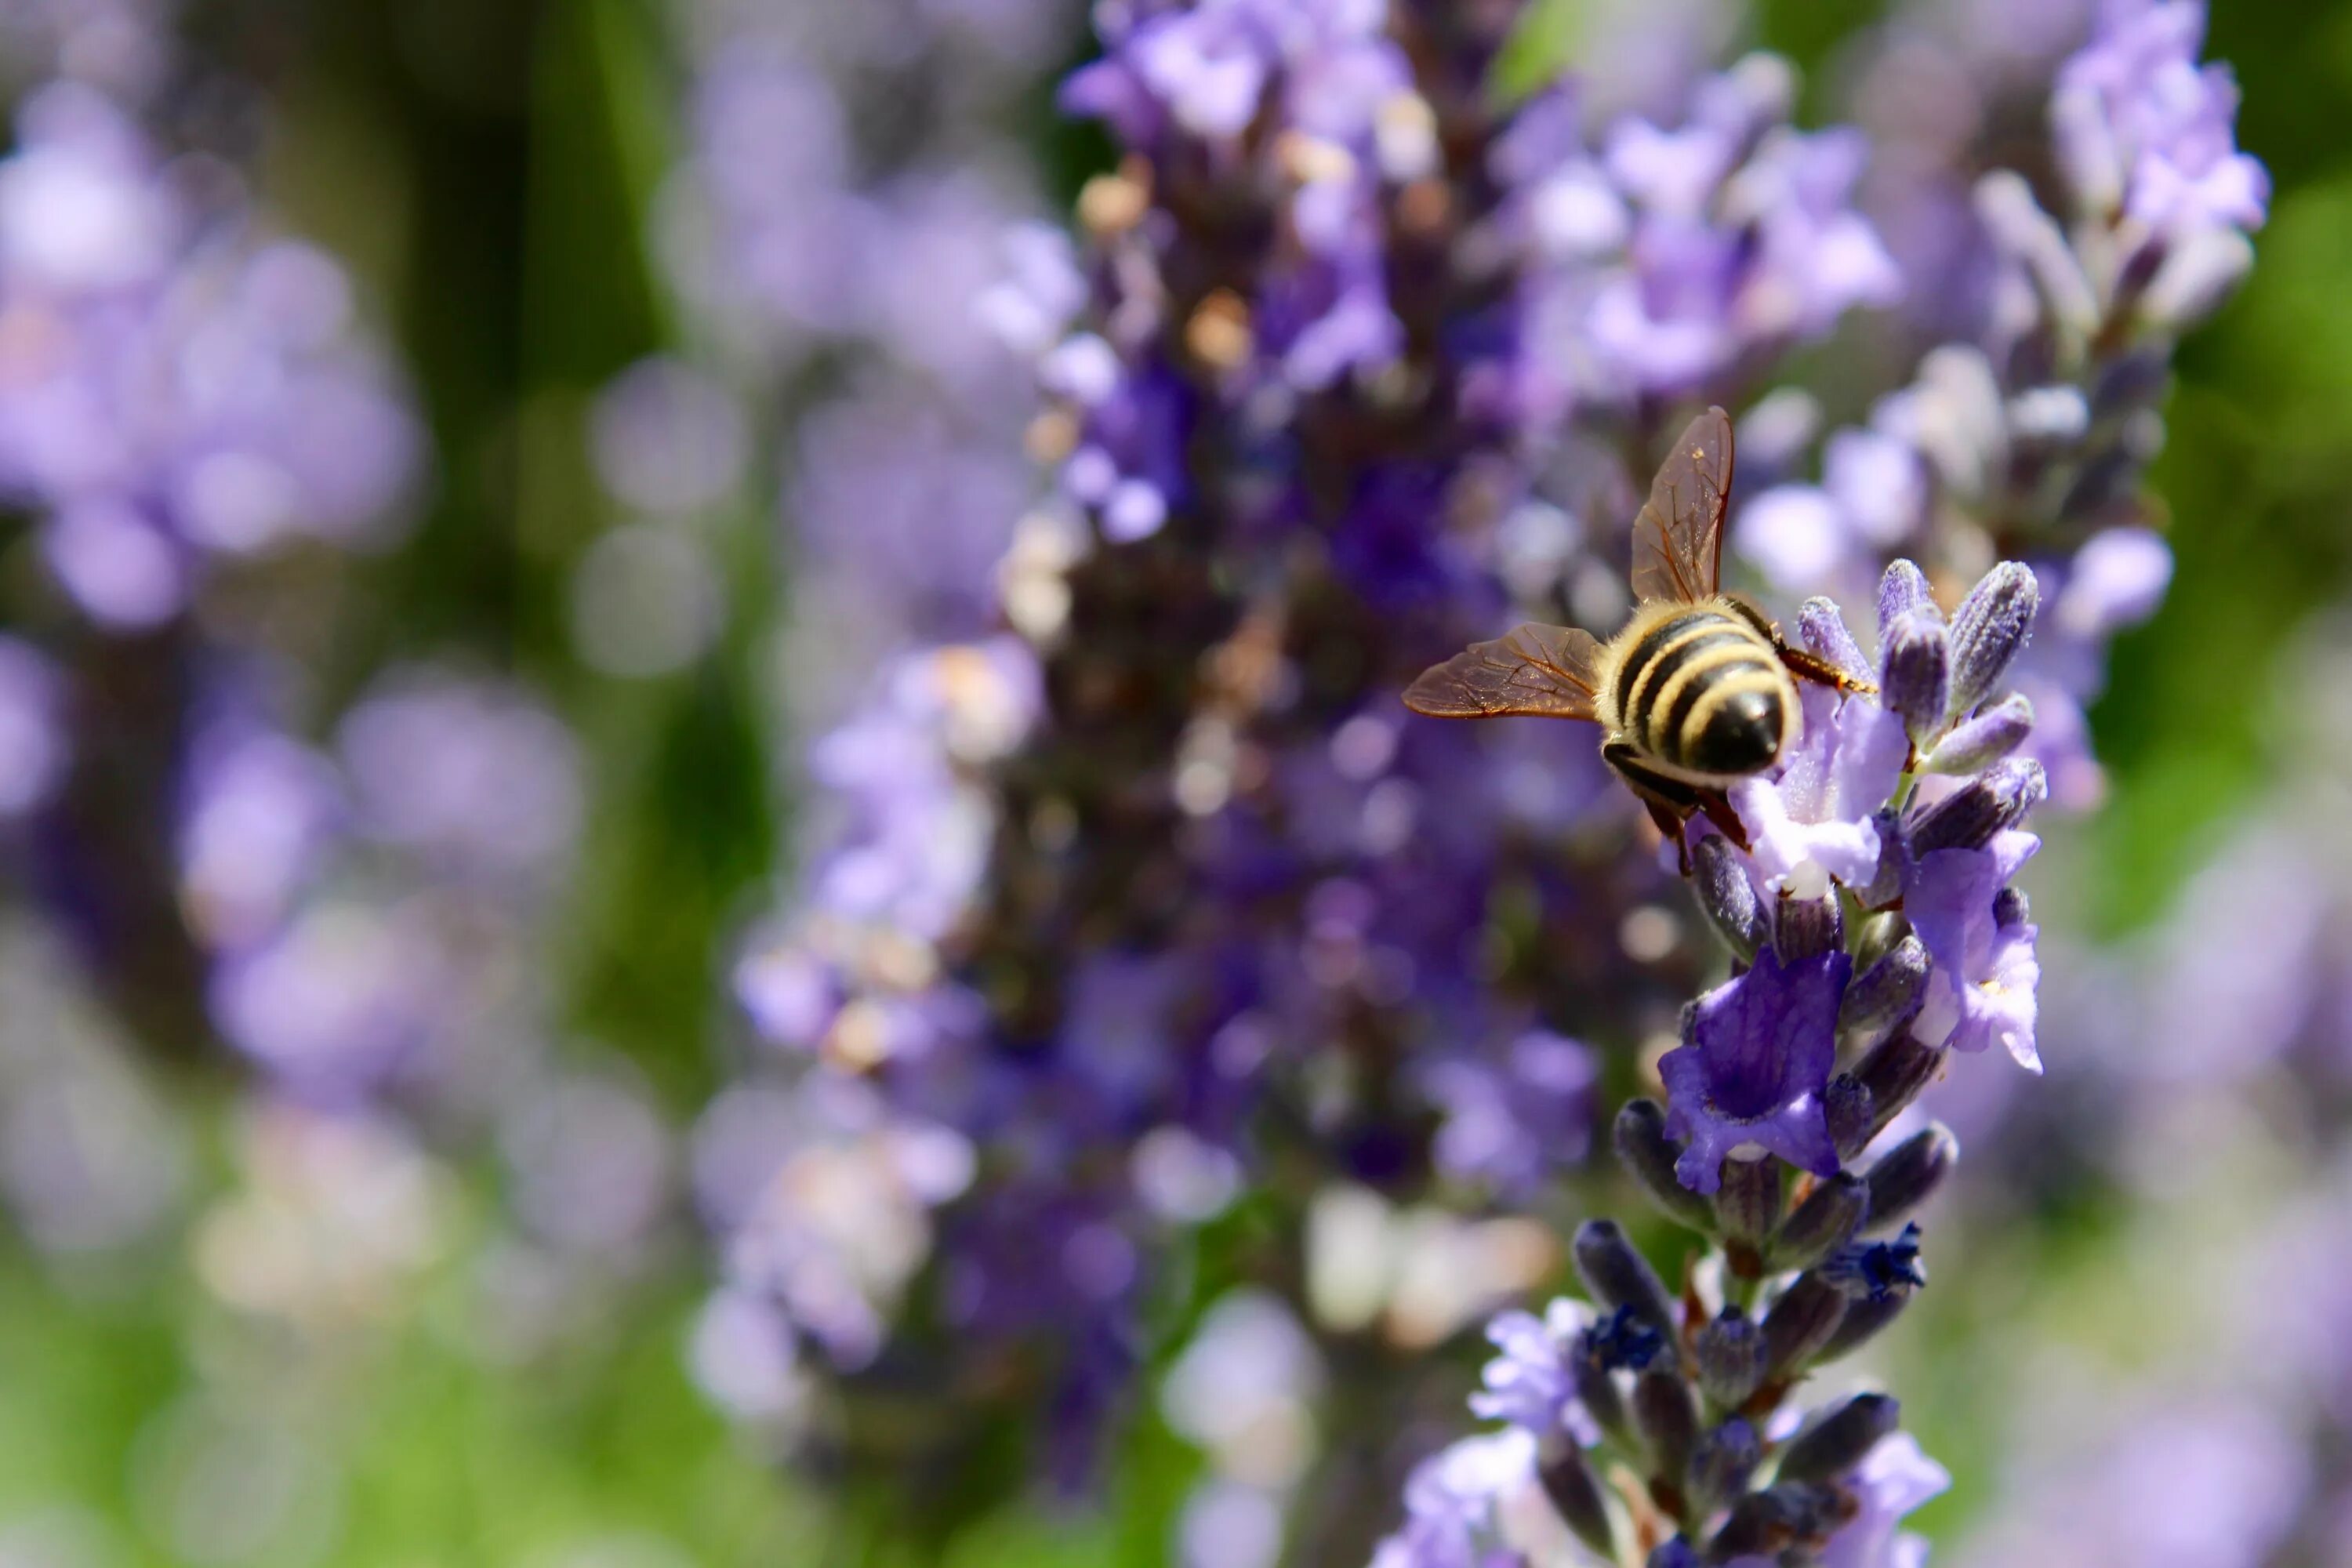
(1756, 1058)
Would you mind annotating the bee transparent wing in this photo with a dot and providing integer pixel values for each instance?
(1678, 538)
(1549, 672)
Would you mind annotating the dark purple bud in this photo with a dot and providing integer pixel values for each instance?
(1729, 1353)
(1889, 992)
(1914, 676)
(1674, 1553)
(1821, 628)
(1900, 591)
(1799, 1514)
(1727, 895)
(1619, 1277)
(1894, 861)
(1877, 1269)
(1864, 1321)
(1748, 1204)
(1645, 1150)
(1806, 928)
(1568, 1480)
(1895, 1071)
(1800, 1323)
(1847, 1110)
(1623, 1341)
(1822, 1223)
(1991, 631)
(1723, 1464)
(2010, 908)
(1908, 1174)
(1838, 1441)
(1969, 816)
(1978, 743)
(1666, 1417)
(1596, 1390)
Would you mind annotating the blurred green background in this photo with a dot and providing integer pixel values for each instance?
(487, 168)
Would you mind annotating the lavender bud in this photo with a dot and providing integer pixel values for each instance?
(1915, 678)
(1568, 1480)
(1846, 1107)
(1900, 591)
(1597, 1392)
(1727, 895)
(1667, 1420)
(1674, 1552)
(1895, 1071)
(1989, 631)
(1864, 1320)
(1806, 928)
(1823, 1223)
(1621, 1278)
(1978, 743)
(1723, 1464)
(1748, 1204)
(1798, 1514)
(1889, 992)
(1644, 1149)
(1800, 1323)
(1969, 816)
(2010, 908)
(1823, 629)
(1837, 1442)
(1729, 1353)
(1909, 1173)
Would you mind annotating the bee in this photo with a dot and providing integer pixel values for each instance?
(1695, 692)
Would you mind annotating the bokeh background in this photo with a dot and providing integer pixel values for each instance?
(555, 674)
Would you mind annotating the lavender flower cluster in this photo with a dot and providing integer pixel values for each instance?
(1156, 889)
(1875, 930)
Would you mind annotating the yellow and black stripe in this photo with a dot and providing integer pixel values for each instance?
(1702, 690)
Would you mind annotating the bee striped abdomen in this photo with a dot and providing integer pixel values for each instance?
(1704, 692)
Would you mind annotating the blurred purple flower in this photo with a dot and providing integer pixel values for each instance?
(34, 745)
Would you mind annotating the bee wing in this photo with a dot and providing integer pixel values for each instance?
(1551, 672)
(1678, 538)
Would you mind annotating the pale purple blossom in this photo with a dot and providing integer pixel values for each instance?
(1755, 1058)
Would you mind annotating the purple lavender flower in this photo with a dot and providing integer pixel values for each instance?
(1531, 1383)
(1982, 990)
(1457, 1505)
(181, 389)
(1756, 1056)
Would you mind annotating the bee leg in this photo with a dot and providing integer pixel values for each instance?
(1672, 803)
(1804, 665)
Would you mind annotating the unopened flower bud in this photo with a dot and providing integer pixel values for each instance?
(1838, 1441)
(1569, 1481)
(1908, 1174)
(1823, 1223)
(1795, 1515)
(1729, 1353)
(2010, 908)
(2193, 280)
(1667, 1419)
(1748, 1204)
(1806, 927)
(1989, 631)
(1847, 1107)
(1866, 1318)
(1820, 625)
(1900, 591)
(1888, 994)
(1976, 743)
(1596, 1390)
(1723, 1463)
(1645, 1150)
(1915, 679)
(1619, 1277)
(1800, 1323)
(1895, 1071)
(1969, 816)
(1727, 895)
